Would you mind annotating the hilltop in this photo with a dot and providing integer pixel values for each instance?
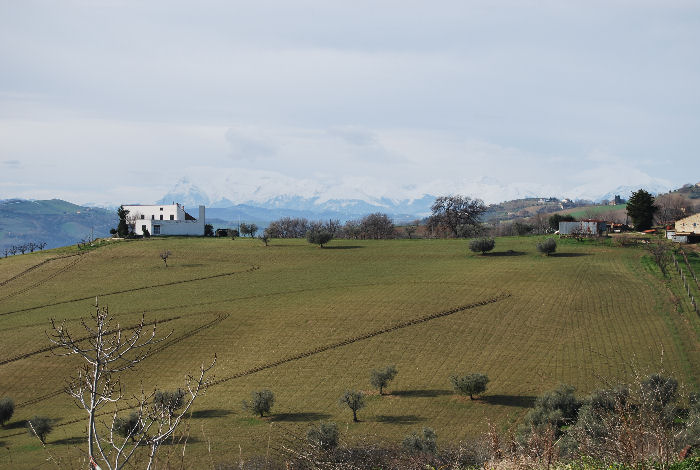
(56, 222)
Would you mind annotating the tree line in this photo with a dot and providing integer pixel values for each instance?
(23, 248)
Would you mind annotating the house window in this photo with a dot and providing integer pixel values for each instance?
(153, 217)
(161, 208)
(172, 217)
(156, 230)
(143, 217)
(161, 216)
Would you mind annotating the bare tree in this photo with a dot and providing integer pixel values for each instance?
(460, 215)
(671, 207)
(410, 230)
(662, 256)
(108, 351)
(164, 256)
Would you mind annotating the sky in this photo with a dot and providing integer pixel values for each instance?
(107, 101)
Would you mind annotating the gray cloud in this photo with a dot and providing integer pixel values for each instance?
(398, 86)
(246, 147)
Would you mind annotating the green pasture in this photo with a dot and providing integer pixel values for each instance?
(589, 315)
(597, 210)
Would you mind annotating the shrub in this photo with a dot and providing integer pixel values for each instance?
(7, 409)
(261, 402)
(471, 384)
(379, 378)
(324, 435)
(208, 230)
(421, 443)
(482, 245)
(39, 426)
(547, 246)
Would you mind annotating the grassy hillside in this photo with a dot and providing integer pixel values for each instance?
(589, 314)
(56, 222)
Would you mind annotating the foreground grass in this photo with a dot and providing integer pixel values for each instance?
(589, 314)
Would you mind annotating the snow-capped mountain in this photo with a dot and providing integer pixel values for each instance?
(352, 197)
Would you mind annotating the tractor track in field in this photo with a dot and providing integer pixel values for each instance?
(133, 289)
(26, 355)
(43, 281)
(32, 268)
(295, 357)
(161, 347)
(355, 339)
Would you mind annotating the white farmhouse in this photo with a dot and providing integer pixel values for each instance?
(164, 220)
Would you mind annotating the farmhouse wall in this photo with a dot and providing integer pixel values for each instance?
(689, 225)
(585, 227)
(167, 219)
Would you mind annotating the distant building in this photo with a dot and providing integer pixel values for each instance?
(617, 200)
(586, 228)
(686, 229)
(171, 219)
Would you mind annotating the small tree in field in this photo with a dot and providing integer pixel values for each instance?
(168, 402)
(353, 399)
(548, 246)
(128, 427)
(482, 245)
(261, 402)
(324, 436)
(319, 237)
(164, 256)
(471, 384)
(39, 426)
(7, 409)
(379, 378)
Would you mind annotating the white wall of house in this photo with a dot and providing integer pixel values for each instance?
(164, 220)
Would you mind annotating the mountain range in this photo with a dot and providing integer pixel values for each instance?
(253, 203)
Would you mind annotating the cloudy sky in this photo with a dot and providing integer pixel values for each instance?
(106, 101)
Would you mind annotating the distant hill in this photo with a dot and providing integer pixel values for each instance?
(56, 222)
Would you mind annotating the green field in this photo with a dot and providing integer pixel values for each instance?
(592, 313)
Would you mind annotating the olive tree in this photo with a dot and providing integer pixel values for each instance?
(353, 399)
(261, 402)
(7, 409)
(168, 401)
(470, 384)
(547, 246)
(127, 427)
(40, 426)
(379, 378)
(482, 245)
(318, 236)
(108, 350)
